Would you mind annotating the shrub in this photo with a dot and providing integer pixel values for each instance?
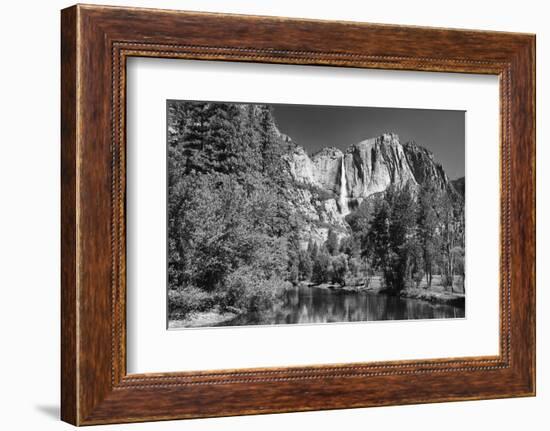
(182, 302)
(417, 276)
(321, 272)
(339, 269)
(447, 280)
(354, 266)
(304, 265)
(247, 290)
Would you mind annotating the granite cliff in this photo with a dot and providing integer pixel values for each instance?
(332, 182)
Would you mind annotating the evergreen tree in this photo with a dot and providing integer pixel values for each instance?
(305, 265)
(192, 143)
(339, 269)
(321, 267)
(232, 234)
(294, 258)
(427, 232)
(312, 250)
(332, 243)
(271, 146)
(388, 242)
(349, 246)
(451, 226)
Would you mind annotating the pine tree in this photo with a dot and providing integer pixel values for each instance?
(312, 250)
(305, 265)
(192, 142)
(270, 145)
(428, 237)
(390, 240)
(332, 243)
(339, 269)
(321, 267)
(451, 225)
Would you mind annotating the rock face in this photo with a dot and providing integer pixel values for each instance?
(327, 164)
(301, 167)
(333, 182)
(424, 167)
(460, 185)
(369, 167)
(374, 164)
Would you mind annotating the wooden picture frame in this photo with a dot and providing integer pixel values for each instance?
(95, 43)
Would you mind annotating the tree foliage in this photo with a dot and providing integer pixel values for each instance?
(409, 233)
(227, 207)
(233, 234)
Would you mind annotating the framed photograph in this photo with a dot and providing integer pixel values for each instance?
(267, 215)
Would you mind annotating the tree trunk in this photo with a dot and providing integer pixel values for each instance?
(451, 270)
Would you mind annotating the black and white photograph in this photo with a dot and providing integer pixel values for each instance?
(306, 214)
(254, 215)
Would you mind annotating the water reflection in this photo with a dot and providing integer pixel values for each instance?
(322, 305)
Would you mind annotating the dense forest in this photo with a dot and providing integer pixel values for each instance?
(236, 241)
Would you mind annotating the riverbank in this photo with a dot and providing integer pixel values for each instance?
(355, 285)
(347, 288)
(213, 317)
(435, 295)
(329, 303)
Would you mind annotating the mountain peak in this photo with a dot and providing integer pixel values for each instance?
(369, 167)
(413, 146)
(385, 139)
(328, 152)
(389, 137)
(424, 167)
(460, 185)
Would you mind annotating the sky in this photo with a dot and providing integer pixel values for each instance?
(315, 127)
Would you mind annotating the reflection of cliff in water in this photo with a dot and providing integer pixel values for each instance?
(321, 305)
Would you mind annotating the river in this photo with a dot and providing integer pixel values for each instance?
(308, 305)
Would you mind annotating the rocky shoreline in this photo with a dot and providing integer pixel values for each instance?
(434, 295)
(203, 319)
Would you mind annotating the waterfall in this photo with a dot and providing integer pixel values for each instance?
(343, 190)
